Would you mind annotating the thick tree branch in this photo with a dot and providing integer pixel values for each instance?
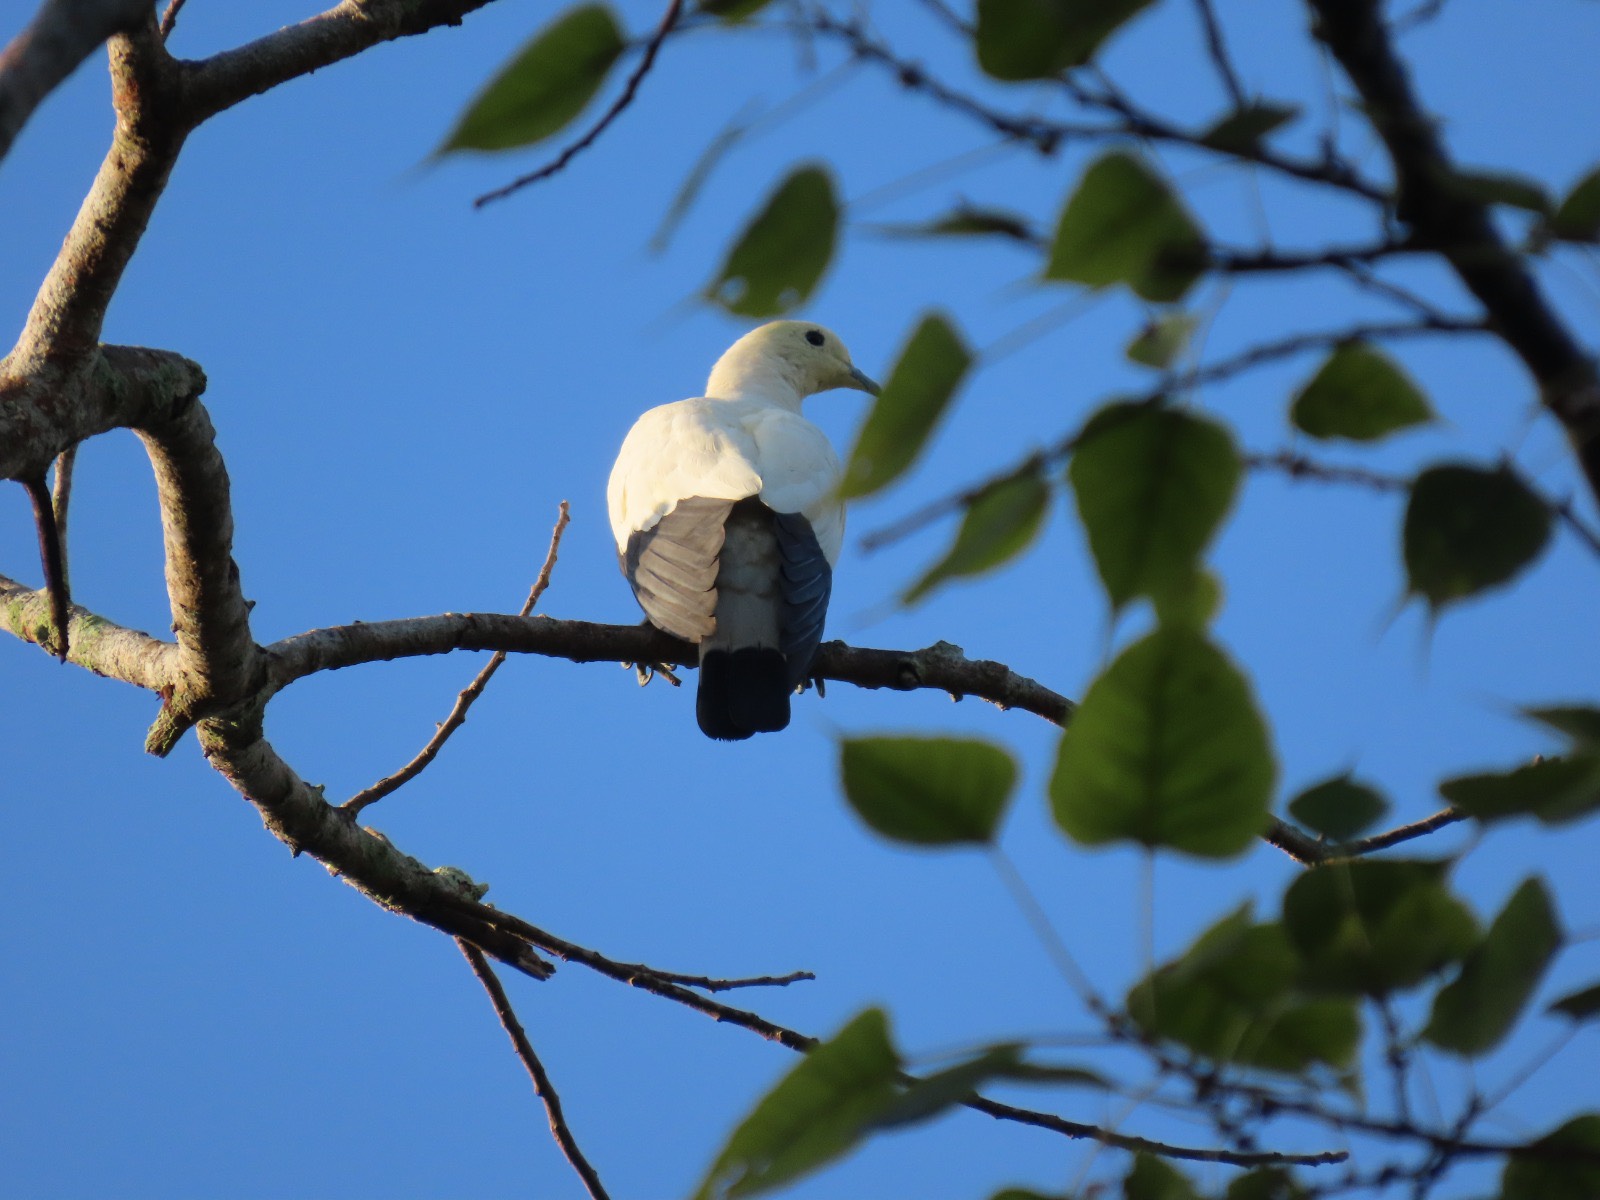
(69, 311)
(1445, 215)
(298, 815)
(217, 658)
(942, 666)
(97, 644)
(348, 28)
(61, 35)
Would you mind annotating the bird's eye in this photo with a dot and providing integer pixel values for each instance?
(814, 336)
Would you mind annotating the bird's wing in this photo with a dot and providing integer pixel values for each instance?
(676, 452)
(806, 583)
(673, 567)
(680, 470)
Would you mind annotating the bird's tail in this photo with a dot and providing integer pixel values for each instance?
(744, 676)
(742, 692)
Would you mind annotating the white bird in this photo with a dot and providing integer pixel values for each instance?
(728, 523)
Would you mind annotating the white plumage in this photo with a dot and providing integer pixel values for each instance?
(727, 521)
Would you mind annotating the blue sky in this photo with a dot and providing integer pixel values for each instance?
(405, 388)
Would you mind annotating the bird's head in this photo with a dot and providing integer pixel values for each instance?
(801, 354)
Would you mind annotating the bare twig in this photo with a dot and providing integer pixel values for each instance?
(629, 90)
(1299, 466)
(1046, 136)
(1404, 833)
(1218, 50)
(61, 501)
(707, 984)
(644, 978)
(542, 1086)
(469, 694)
(169, 19)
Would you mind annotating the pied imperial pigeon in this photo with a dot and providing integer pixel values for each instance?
(728, 522)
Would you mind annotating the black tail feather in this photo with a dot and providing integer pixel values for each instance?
(742, 692)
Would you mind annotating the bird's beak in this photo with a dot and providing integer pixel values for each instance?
(860, 381)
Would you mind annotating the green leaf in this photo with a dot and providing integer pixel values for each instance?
(1194, 603)
(928, 791)
(1000, 524)
(1473, 1013)
(1338, 808)
(1152, 484)
(932, 1095)
(1124, 225)
(1229, 999)
(815, 1114)
(1033, 39)
(1359, 393)
(541, 90)
(1578, 721)
(1373, 926)
(1265, 1183)
(966, 221)
(1499, 187)
(920, 387)
(1241, 131)
(1162, 340)
(1578, 218)
(1552, 1176)
(782, 253)
(732, 11)
(1467, 529)
(1167, 749)
(1555, 790)
(1583, 1005)
(1153, 1178)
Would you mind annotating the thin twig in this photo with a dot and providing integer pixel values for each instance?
(706, 983)
(1404, 833)
(542, 1086)
(61, 501)
(629, 90)
(169, 19)
(654, 982)
(1299, 466)
(1219, 53)
(469, 694)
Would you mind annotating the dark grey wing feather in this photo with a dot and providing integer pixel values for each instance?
(673, 567)
(807, 582)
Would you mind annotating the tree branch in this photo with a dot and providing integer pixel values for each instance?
(629, 91)
(646, 979)
(218, 662)
(1443, 214)
(542, 1087)
(469, 695)
(942, 666)
(226, 79)
(61, 35)
(97, 644)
